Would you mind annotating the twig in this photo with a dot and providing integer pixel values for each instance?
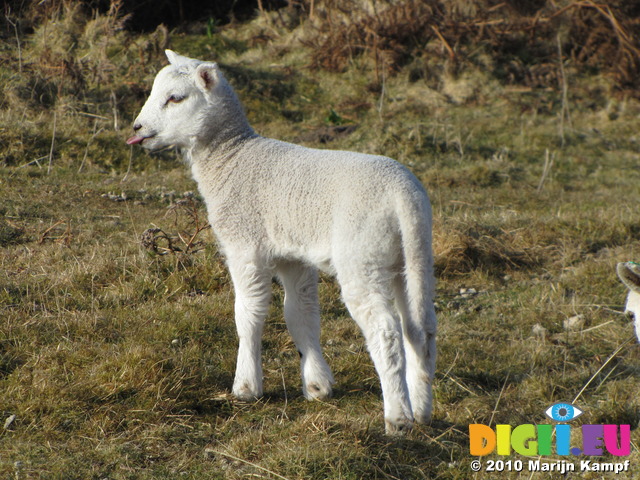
(114, 108)
(86, 150)
(495, 408)
(48, 230)
(462, 386)
(53, 141)
(452, 54)
(149, 239)
(548, 163)
(189, 207)
(65, 237)
(36, 161)
(596, 327)
(93, 115)
(564, 112)
(382, 92)
(611, 357)
(606, 377)
(124, 179)
(286, 398)
(15, 28)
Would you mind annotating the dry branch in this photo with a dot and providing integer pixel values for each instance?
(185, 242)
(52, 233)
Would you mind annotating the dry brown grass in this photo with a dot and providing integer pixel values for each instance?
(518, 36)
(117, 361)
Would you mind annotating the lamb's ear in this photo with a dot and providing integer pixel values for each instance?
(176, 59)
(629, 273)
(207, 76)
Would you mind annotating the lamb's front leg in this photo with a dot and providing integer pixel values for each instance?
(302, 314)
(252, 284)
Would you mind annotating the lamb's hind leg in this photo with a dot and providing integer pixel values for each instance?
(302, 314)
(252, 285)
(370, 304)
(420, 353)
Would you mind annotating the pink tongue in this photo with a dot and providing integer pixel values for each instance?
(135, 140)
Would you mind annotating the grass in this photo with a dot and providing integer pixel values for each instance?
(117, 362)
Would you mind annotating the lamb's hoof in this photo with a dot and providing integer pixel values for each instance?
(244, 393)
(316, 391)
(422, 418)
(398, 427)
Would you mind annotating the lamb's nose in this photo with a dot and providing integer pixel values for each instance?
(136, 127)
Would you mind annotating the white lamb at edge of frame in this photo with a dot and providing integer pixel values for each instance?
(629, 273)
(283, 210)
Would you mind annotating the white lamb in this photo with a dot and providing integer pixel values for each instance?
(629, 273)
(279, 209)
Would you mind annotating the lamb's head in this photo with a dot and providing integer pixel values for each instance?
(629, 273)
(182, 101)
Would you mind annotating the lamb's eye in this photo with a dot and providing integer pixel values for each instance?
(175, 99)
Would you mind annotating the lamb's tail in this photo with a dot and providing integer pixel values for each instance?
(416, 301)
(415, 220)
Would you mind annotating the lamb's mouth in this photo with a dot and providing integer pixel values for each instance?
(138, 139)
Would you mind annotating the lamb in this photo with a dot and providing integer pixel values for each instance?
(629, 273)
(284, 210)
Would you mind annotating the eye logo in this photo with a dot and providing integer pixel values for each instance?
(563, 412)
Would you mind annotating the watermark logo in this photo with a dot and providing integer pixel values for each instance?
(529, 439)
(551, 439)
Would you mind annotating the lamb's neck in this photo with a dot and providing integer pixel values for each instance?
(225, 123)
(225, 133)
(222, 148)
(217, 161)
